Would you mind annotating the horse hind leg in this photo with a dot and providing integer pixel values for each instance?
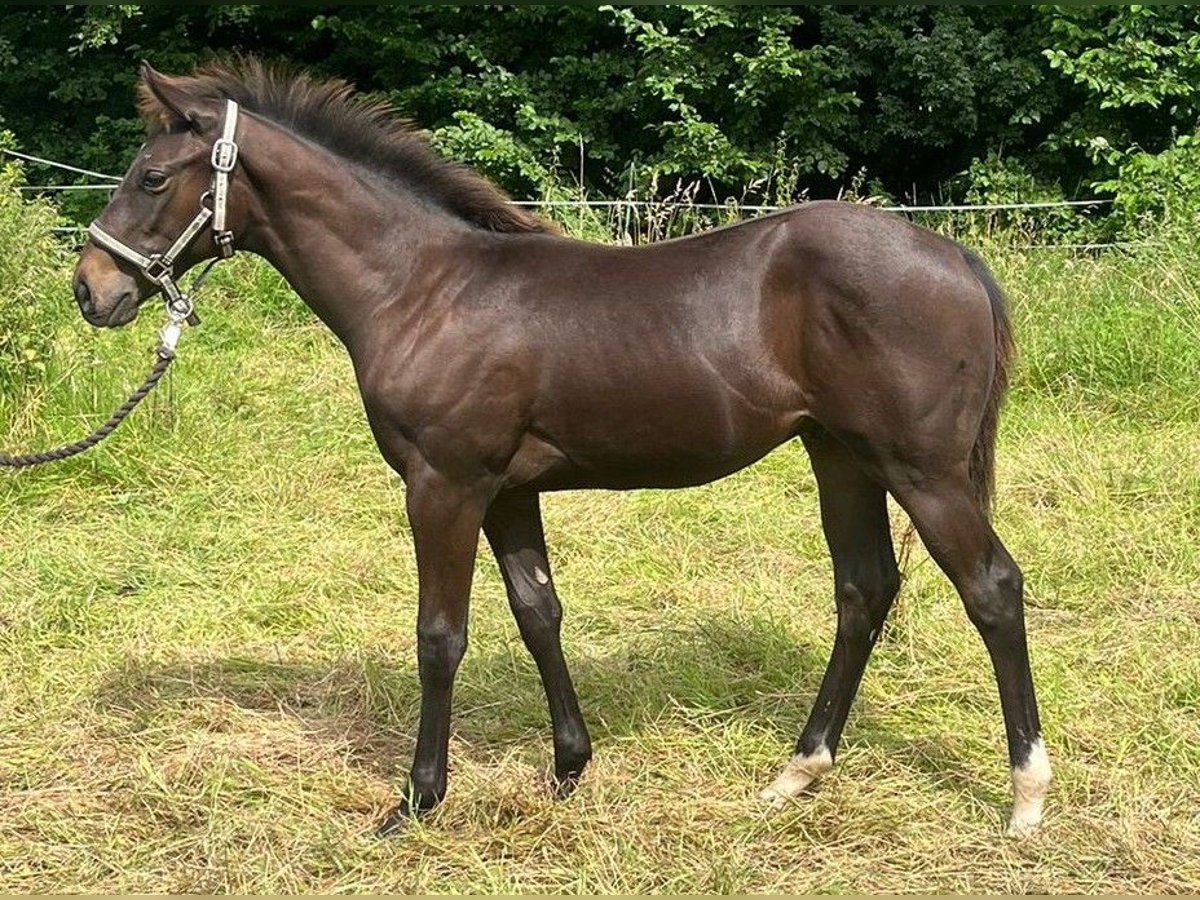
(958, 535)
(866, 581)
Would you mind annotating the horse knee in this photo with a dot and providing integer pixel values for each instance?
(994, 602)
(863, 602)
(440, 648)
(536, 609)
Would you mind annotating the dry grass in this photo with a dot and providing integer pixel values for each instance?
(207, 676)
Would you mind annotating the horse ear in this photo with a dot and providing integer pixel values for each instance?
(175, 104)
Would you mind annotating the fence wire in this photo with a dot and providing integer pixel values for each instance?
(54, 164)
(632, 206)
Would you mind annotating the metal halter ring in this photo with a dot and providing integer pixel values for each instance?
(155, 268)
(180, 308)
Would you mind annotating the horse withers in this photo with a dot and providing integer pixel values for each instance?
(498, 359)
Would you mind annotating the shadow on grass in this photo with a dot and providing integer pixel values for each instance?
(694, 677)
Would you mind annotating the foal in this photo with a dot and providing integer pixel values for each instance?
(497, 360)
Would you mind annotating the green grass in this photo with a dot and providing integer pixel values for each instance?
(207, 668)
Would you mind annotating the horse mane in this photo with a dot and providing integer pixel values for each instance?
(365, 130)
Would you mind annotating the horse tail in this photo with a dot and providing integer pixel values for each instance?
(982, 466)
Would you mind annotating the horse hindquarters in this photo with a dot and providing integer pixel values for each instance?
(905, 356)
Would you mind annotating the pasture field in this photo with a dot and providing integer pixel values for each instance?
(207, 665)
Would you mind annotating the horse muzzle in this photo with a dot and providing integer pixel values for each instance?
(106, 296)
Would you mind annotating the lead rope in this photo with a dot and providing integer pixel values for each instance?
(178, 312)
(165, 357)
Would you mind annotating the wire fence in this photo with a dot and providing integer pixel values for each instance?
(759, 208)
(653, 218)
(54, 164)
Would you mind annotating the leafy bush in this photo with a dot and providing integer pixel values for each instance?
(1158, 187)
(34, 292)
(747, 100)
(1140, 67)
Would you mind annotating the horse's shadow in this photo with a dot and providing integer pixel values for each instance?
(748, 672)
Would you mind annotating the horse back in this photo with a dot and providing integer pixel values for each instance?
(570, 364)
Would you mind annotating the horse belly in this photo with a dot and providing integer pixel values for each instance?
(663, 448)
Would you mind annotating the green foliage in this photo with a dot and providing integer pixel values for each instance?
(705, 94)
(747, 103)
(34, 286)
(1157, 188)
(734, 94)
(997, 180)
(940, 85)
(103, 27)
(1130, 56)
(1140, 68)
(750, 102)
(495, 152)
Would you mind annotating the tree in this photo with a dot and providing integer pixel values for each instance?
(1140, 69)
(759, 102)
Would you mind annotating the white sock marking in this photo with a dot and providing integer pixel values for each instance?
(1030, 783)
(799, 773)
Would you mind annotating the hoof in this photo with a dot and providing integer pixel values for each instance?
(407, 812)
(563, 786)
(397, 820)
(798, 774)
(1023, 826)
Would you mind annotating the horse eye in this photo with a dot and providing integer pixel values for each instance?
(153, 179)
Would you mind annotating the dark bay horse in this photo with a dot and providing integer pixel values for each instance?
(497, 359)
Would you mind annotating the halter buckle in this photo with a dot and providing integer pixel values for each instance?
(224, 155)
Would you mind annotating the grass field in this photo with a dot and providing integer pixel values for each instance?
(207, 667)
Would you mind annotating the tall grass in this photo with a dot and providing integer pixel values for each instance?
(1120, 332)
(207, 678)
(31, 264)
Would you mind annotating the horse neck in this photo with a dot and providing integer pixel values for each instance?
(345, 239)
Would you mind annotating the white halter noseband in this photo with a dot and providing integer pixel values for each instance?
(159, 267)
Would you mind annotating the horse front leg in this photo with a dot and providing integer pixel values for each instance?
(514, 528)
(445, 516)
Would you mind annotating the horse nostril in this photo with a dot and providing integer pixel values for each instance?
(83, 295)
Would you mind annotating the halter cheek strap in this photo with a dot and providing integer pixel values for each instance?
(224, 158)
(159, 268)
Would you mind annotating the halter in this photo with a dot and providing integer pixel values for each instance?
(159, 268)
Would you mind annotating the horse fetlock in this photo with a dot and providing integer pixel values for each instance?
(800, 772)
(1031, 781)
(572, 753)
(564, 781)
